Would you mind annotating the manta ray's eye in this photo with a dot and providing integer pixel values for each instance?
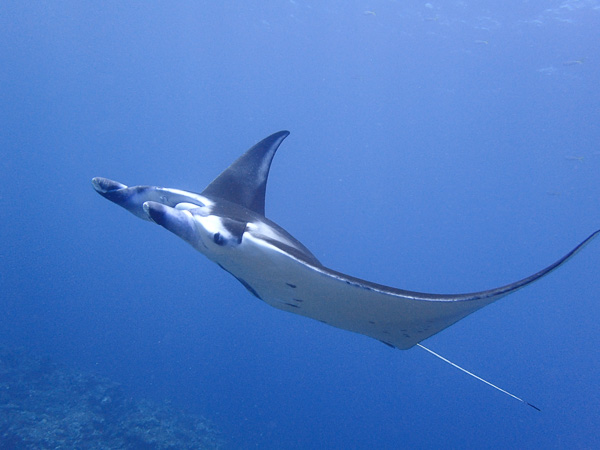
(219, 239)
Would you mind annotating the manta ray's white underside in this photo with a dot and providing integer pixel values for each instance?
(344, 302)
(398, 318)
(226, 222)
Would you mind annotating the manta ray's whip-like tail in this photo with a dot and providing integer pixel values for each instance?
(475, 376)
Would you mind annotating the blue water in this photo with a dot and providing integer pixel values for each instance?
(437, 147)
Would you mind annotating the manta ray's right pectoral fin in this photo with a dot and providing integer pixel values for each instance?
(105, 186)
(130, 198)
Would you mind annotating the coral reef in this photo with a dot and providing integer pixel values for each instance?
(46, 405)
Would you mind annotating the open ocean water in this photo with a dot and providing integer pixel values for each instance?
(436, 146)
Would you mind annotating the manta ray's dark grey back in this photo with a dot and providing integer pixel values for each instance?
(245, 181)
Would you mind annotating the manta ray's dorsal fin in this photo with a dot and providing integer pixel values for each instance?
(245, 181)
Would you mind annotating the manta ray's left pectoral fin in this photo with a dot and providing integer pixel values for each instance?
(177, 221)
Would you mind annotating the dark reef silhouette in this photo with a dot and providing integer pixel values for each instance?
(46, 405)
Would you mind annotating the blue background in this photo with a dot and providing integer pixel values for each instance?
(438, 147)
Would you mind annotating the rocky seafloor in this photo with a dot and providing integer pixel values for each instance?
(46, 405)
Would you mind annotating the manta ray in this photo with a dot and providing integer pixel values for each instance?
(226, 222)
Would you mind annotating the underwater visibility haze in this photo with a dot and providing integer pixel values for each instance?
(436, 147)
